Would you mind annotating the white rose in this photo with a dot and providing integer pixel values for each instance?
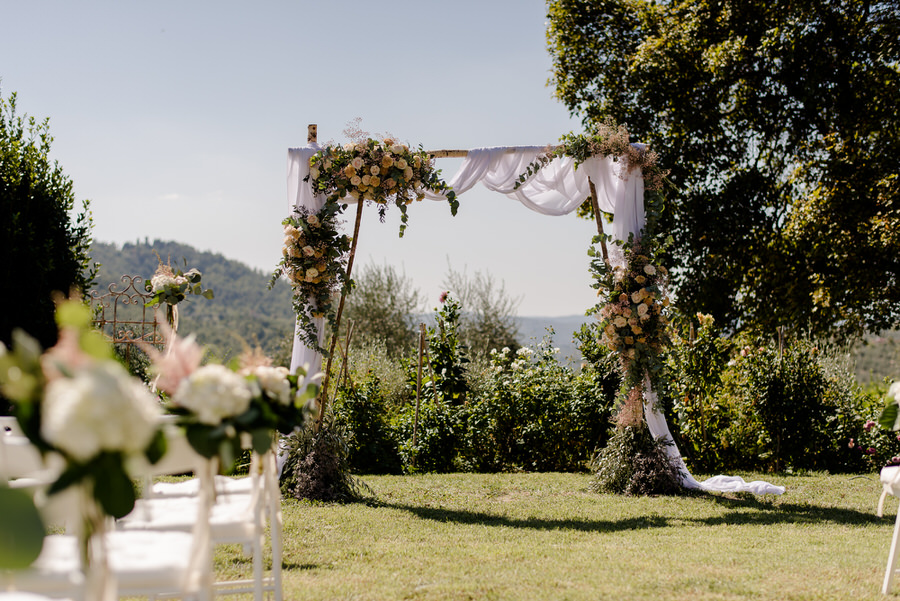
(102, 408)
(649, 269)
(214, 392)
(620, 322)
(357, 163)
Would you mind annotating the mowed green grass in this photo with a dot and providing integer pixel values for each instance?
(546, 536)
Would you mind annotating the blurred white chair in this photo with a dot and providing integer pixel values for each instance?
(174, 563)
(890, 483)
(242, 509)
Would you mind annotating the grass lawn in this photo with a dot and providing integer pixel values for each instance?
(545, 536)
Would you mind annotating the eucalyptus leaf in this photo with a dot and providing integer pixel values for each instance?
(113, 489)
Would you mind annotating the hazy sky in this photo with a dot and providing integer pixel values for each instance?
(174, 119)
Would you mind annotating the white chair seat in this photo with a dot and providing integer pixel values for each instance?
(230, 518)
(150, 561)
(188, 488)
(22, 596)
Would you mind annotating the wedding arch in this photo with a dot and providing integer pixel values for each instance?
(558, 187)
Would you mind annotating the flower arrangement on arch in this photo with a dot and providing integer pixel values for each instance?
(632, 312)
(314, 261)
(380, 171)
(224, 409)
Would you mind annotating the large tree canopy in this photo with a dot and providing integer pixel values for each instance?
(780, 122)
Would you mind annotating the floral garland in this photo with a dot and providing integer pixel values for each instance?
(608, 140)
(633, 312)
(380, 171)
(314, 260)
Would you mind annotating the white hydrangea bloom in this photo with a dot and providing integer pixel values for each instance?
(274, 382)
(214, 392)
(102, 408)
(160, 281)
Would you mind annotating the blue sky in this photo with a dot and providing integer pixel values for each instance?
(174, 119)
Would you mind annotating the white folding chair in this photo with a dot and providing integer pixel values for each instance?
(175, 563)
(57, 572)
(890, 483)
(239, 515)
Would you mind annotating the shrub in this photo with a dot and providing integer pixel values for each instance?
(438, 435)
(633, 463)
(800, 408)
(360, 411)
(533, 413)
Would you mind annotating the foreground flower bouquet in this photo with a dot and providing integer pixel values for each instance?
(227, 409)
(77, 402)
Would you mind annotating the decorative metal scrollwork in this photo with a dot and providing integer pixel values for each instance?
(123, 316)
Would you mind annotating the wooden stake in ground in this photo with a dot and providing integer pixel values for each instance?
(419, 384)
(595, 204)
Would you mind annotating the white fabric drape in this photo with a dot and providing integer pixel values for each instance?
(300, 195)
(557, 189)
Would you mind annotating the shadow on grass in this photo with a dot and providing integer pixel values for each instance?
(750, 512)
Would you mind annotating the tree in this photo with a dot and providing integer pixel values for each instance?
(383, 306)
(43, 251)
(489, 313)
(780, 123)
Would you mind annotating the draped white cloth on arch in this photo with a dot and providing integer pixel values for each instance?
(557, 189)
